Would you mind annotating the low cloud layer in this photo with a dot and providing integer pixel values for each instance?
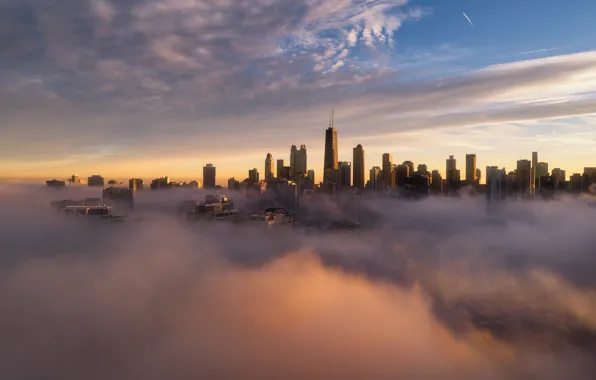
(427, 290)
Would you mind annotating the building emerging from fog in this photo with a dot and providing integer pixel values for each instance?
(95, 181)
(55, 183)
(358, 161)
(135, 184)
(471, 169)
(387, 171)
(298, 162)
(451, 175)
(376, 180)
(253, 175)
(160, 183)
(524, 177)
(345, 174)
(209, 176)
(119, 197)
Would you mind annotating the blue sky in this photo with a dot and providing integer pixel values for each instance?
(161, 87)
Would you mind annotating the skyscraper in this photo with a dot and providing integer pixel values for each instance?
(410, 166)
(541, 169)
(268, 167)
(345, 174)
(422, 169)
(135, 184)
(376, 182)
(451, 174)
(560, 174)
(402, 172)
(209, 176)
(534, 173)
(311, 175)
(524, 177)
(280, 168)
(534, 165)
(358, 158)
(331, 145)
(437, 182)
(253, 175)
(478, 175)
(470, 169)
(387, 176)
(300, 164)
(95, 180)
(293, 151)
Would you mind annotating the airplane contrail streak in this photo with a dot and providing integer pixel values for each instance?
(467, 18)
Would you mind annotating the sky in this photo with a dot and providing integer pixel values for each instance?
(149, 88)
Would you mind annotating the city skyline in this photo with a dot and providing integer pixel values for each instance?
(143, 91)
(298, 167)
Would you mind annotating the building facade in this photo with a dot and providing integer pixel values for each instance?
(358, 162)
(209, 176)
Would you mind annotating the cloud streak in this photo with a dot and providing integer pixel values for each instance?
(467, 18)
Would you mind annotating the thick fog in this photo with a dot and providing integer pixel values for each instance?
(433, 289)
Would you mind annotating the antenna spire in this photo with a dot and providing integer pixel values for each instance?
(332, 119)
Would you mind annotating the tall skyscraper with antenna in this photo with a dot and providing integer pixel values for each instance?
(331, 164)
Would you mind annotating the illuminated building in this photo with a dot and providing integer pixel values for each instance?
(470, 169)
(135, 184)
(376, 180)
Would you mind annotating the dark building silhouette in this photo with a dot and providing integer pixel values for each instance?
(331, 146)
(344, 174)
(358, 162)
(388, 181)
(451, 175)
(547, 185)
(135, 184)
(410, 166)
(268, 167)
(55, 183)
(160, 183)
(416, 186)
(253, 175)
(280, 167)
(95, 181)
(209, 176)
(437, 182)
(119, 197)
(284, 172)
(576, 183)
(402, 172)
(524, 177)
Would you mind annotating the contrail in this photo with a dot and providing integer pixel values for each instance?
(467, 18)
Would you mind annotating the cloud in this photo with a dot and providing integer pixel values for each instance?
(164, 66)
(482, 296)
(103, 9)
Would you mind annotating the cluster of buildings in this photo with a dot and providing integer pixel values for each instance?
(530, 177)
